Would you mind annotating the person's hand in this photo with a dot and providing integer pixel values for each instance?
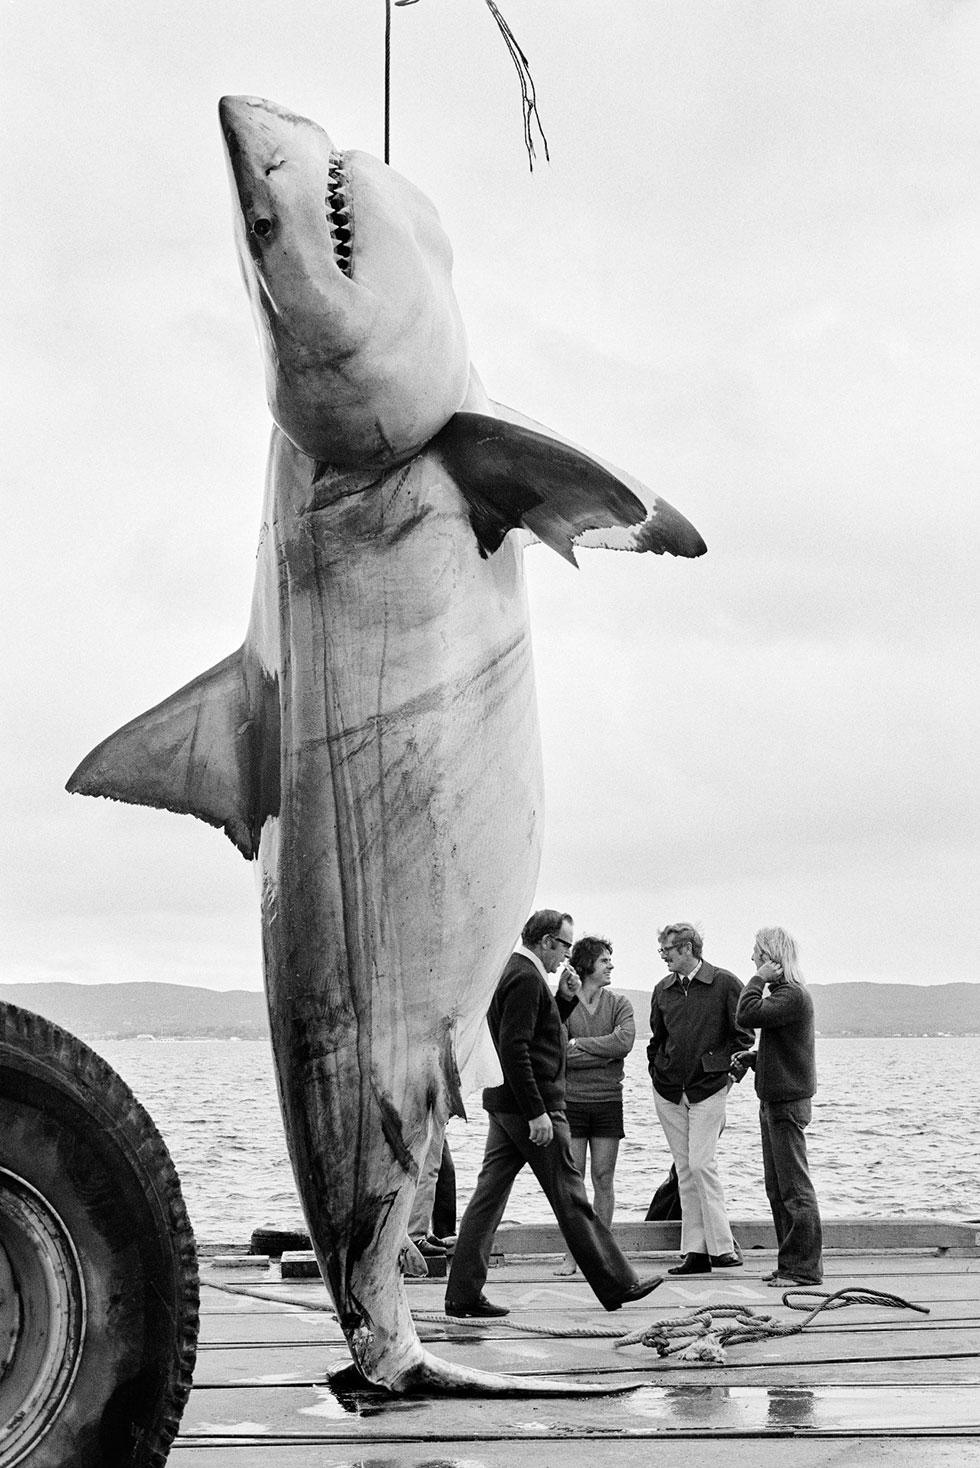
(569, 982)
(541, 1130)
(742, 1061)
(769, 970)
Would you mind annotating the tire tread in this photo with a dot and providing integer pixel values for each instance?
(61, 1054)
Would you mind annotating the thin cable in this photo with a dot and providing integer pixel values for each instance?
(387, 77)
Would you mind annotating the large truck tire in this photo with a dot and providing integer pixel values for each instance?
(98, 1268)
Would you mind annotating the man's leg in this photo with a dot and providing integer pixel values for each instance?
(706, 1124)
(420, 1218)
(675, 1119)
(444, 1203)
(502, 1161)
(579, 1146)
(780, 1218)
(590, 1243)
(800, 1246)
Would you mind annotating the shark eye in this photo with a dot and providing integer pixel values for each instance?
(262, 227)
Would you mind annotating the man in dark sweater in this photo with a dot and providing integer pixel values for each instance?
(785, 1080)
(528, 1125)
(693, 1036)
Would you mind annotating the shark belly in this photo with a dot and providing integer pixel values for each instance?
(401, 863)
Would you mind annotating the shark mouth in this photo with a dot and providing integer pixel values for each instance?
(339, 216)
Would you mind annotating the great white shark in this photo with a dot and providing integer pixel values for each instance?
(373, 745)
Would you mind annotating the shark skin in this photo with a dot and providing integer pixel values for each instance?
(373, 746)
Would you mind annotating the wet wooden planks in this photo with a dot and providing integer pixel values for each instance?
(699, 1452)
(861, 1386)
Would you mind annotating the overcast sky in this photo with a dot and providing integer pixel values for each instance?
(748, 276)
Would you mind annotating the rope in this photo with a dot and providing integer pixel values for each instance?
(529, 101)
(598, 1332)
(695, 1336)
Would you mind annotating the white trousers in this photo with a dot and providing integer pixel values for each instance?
(420, 1218)
(692, 1130)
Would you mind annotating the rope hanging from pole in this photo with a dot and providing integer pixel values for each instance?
(529, 101)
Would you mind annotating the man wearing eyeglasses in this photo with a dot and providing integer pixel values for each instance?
(694, 1037)
(528, 1125)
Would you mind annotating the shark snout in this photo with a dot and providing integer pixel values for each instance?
(260, 136)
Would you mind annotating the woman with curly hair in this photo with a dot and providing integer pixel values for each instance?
(601, 1032)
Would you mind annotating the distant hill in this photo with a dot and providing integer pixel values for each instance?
(124, 1011)
(877, 1009)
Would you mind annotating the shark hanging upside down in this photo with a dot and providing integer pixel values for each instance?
(373, 745)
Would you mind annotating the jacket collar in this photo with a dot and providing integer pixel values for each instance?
(521, 952)
(704, 975)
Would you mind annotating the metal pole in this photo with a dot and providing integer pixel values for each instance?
(387, 77)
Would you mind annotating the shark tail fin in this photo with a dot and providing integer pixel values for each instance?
(512, 474)
(205, 752)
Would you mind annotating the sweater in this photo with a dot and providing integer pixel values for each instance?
(785, 1066)
(528, 1033)
(603, 1039)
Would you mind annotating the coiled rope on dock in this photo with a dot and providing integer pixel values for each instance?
(697, 1336)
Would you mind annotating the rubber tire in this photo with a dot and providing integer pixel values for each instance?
(74, 1133)
(273, 1242)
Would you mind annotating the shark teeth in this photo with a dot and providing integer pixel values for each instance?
(340, 215)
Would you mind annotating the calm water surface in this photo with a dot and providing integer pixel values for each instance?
(896, 1130)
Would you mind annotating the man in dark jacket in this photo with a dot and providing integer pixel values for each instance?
(775, 1001)
(528, 1125)
(693, 1038)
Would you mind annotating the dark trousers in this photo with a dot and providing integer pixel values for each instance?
(589, 1242)
(444, 1207)
(791, 1195)
(665, 1205)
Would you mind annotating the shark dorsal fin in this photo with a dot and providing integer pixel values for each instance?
(512, 475)
(207, 751)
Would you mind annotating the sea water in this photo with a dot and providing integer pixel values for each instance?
(895, 1131)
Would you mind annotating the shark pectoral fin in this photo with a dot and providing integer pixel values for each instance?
(198, 753)
(514, 475)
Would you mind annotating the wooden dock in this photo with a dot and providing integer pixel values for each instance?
(860, 1385)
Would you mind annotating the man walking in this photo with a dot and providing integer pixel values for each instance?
(694, 1036)
(528, 1125)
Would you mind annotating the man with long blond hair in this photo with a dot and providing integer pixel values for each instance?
(775, 1002)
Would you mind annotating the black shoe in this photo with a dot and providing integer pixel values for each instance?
(693, 1264)
(726, 1261)
(637, 1292)
(429, 1248)
(447, 1245)
(480, 1308)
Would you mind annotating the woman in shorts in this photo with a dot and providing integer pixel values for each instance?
(601, 1032)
